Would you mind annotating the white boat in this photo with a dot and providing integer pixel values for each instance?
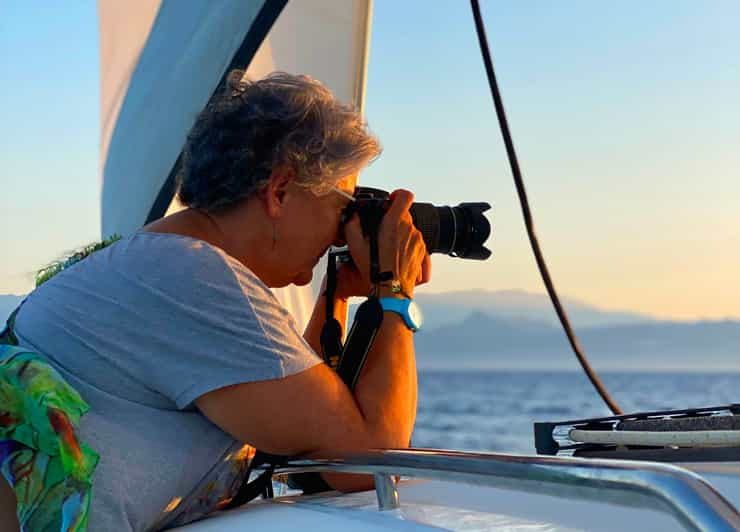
(161, 61)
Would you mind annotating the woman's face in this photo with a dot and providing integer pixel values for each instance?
(310, 226)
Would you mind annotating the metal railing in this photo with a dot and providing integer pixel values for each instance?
(686, 495)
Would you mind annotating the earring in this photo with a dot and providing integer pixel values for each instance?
(274, 235)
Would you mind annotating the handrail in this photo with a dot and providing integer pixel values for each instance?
(686, 495)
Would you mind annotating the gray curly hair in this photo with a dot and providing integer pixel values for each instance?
(250, 128)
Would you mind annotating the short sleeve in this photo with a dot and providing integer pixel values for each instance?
(220, 325)
(264, 341)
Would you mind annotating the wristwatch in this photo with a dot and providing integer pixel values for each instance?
(406, 308)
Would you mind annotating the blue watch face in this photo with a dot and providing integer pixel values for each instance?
(407, 309)
(415, 315)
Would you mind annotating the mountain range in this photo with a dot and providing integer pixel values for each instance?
(519, 330)
(484, 341)
(450, 307)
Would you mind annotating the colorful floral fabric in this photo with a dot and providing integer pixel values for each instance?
(40, 455)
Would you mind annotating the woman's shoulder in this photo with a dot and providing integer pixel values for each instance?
(150, 242)
(176, 254)
(149, 265)
(193, 260)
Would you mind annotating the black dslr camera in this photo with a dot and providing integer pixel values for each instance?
(456, 231)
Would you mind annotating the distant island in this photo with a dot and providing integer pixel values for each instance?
(519, 330)
(484, 341)
(514, 329)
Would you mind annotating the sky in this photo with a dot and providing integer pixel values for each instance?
(625, 116)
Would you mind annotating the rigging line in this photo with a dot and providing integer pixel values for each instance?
(513, 162)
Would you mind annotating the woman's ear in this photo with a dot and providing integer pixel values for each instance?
(274, 194)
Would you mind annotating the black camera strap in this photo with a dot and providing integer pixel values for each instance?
(370, 223)
(331, 333)
(262, 485)
(369, 315)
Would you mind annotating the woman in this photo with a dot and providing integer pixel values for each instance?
(175, 341)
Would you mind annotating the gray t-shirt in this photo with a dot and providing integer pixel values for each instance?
(141, 329)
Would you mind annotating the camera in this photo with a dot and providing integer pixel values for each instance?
(459, 231)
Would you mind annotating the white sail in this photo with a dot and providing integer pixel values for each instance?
(160, 63)
(326, 39)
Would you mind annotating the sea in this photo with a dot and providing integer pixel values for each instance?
(493, 411)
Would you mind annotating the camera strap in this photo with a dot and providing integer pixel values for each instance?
(351, 357)
(348, 359)
(262, 485)
(331, 333)
(370, 223)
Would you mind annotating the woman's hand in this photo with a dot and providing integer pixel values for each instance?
(350, 281)
(401, 249)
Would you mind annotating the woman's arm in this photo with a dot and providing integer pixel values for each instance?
(313, 413)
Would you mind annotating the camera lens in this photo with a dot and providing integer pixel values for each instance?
(458, 231)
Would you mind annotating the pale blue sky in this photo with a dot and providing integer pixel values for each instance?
(625, 116)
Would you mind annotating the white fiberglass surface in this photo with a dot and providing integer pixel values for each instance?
(723, 476)
(427, 505)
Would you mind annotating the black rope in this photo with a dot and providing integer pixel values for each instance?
(513, 162)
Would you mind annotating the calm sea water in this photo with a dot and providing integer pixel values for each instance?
(494, 410)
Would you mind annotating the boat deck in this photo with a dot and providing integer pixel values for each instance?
(544, 502)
